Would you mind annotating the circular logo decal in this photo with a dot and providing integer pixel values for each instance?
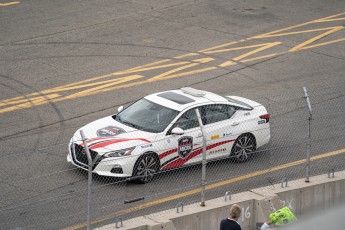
(109, 131)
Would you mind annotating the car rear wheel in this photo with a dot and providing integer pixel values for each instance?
(146, 168)
(244, 146)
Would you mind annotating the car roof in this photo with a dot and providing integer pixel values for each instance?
(183, 98)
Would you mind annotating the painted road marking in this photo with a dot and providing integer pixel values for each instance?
(8, 3)
(237, 52)
(208, 187)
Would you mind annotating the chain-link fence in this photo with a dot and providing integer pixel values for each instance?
(150, 157)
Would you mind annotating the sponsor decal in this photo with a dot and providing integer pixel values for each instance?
(227, 134)
(185, 146)
(261, 122)
(146, 146)
(110, 131)
(215, 137)
(217, 151)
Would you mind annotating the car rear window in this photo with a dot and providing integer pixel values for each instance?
(245, 105)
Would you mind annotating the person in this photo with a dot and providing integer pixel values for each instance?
(279, 218)
(231, 223)
(267, 225)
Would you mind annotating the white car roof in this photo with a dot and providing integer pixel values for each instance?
(184, 98)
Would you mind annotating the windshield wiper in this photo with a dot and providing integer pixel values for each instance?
(118, 118)
(129, 124)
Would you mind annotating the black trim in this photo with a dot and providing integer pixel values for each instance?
(167, 162)
(80, 159)
(175, 97)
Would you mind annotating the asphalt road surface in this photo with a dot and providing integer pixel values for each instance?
(66, 63)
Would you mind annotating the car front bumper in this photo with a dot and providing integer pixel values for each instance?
(113, 166)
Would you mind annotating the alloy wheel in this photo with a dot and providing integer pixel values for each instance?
(146, 168)
(243, 147)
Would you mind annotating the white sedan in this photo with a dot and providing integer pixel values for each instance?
(162, 131)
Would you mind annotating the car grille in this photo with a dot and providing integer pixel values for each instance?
(80, 158)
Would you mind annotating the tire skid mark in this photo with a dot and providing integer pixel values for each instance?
(181, 68)
(60, 116)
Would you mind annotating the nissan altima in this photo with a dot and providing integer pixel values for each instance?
(166, 130)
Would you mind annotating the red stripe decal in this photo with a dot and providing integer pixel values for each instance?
(217, 144)
(167, 153)
(180, 161)
(100, 140)
(115, 138)
(106, 143)
(96, 139)
(162, 155)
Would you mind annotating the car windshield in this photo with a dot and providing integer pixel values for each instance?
(147, 116)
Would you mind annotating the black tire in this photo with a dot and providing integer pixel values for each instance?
(146, 168)
(243, 147)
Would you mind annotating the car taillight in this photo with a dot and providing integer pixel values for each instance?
(266, 117)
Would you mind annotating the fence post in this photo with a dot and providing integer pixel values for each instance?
(306, 96)
(89, 192)
(204, 162)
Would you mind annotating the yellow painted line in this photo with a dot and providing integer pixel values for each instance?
(209, 50)
(302, 32)
(237, 48)
(332, 20)
(227, 64)
(85, 83)
(100, 88)
(32, 102)
(72, 86)
(262, 57)
(179, 66)
(187, 55)
(8, 3)
(263, 47)
(324, 43)
(129, 71)
(304, 44)
(25, 100)
(208, 187)
(168, 74)
(296, 26)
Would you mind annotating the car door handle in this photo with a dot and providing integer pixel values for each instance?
(235, 123)
(199, 135)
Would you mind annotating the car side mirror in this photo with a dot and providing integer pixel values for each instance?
(177, 131)
(120, 108)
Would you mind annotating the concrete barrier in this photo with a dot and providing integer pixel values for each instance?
(302, 198)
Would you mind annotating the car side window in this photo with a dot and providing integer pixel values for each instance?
(188, 120)
(216, 113)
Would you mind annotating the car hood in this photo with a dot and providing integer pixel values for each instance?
(107, 134)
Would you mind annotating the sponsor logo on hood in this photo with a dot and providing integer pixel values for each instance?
(185, 146)
(110, 131)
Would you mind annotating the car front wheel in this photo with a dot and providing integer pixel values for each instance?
(146, 168)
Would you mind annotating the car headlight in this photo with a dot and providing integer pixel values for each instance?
(120, 153)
